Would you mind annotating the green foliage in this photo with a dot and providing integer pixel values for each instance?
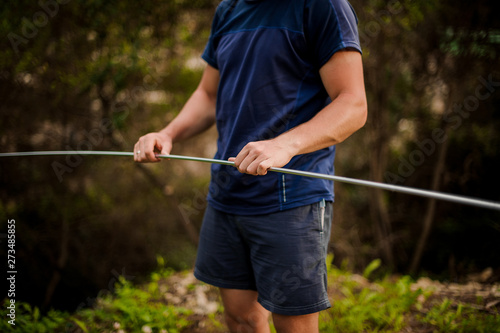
(216, 323)
(381, 306)
(133, 309)
(29, 319)
(451, 317)
(390, 304)
(371, 267)
(385, 305)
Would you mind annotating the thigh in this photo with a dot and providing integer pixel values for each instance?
(288, 252)
(223, 258)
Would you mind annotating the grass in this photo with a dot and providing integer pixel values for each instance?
(360, 304)
(363, 306)
(461, 318)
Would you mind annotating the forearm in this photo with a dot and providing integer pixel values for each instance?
(197, 115)
(332, 125)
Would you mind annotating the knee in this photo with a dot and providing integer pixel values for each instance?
(296, 324)
(239, 321)
(242, 311)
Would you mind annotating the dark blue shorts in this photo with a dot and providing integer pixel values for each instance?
(280, 255)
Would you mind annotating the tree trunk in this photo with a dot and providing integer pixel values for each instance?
(61, 262)
(378, 207)
(378, 160)
(431, 207)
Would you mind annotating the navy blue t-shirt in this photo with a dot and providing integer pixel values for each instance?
(268, 53)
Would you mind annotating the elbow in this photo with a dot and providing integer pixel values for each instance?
(362, 112)
(355, 118)
(358, 113)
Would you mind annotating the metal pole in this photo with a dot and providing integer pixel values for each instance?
(394, 188)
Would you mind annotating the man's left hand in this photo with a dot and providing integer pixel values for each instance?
(256, 158)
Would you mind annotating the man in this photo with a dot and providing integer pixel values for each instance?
(284, 85)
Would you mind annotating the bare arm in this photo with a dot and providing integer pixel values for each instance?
(342, 77)
(197, 115)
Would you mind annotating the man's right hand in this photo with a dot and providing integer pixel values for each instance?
(149, 145)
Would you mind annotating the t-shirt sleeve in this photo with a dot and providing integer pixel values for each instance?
(209, 54)
(330, 26)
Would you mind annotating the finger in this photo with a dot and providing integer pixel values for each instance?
(242, 160)
(246, 165)
(136, 149)
(140, 149)
(249, 166)
(241, 156)
(148, 151)
(166, 148)
(151, 156)
(143, 150)
(263, 167)
(157, 150)
(259, 167)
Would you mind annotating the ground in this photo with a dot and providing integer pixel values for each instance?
(183, 290)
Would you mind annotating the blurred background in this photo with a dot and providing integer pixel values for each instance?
(96, 75)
